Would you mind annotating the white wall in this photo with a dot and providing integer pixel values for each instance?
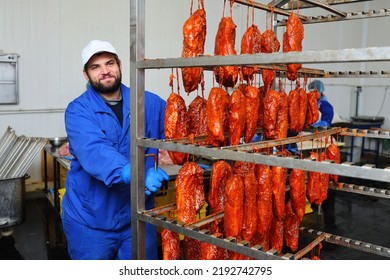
(49, 35)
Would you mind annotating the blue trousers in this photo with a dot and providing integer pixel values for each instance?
(85, 243)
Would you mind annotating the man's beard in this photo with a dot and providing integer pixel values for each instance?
(98, 87)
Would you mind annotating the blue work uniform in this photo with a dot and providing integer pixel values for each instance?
(95, 197)
(326, 110)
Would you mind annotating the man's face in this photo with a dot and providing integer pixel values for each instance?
(104, 73)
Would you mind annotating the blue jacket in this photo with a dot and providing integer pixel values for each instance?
(95, 195)
(326, 110)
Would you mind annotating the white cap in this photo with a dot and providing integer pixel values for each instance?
(94, 47)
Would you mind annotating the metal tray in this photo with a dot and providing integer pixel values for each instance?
(12, 195)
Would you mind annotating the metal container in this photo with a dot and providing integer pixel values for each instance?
(369, 119)
(57, 141)
(12, 208)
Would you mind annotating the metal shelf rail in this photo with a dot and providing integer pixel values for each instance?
(284, 7)
(350, 243)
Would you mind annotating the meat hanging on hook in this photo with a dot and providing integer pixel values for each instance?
(225, 39)
(175, 124)
(292, 42)
(269, 44)
(194, 37)
(250, 44)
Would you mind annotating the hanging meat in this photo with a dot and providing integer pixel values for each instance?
(333, 153)
(234, 204)
(279, 176)
(191, 248)
(209, 251)
(237, 114)
(297, 106)
(269, 44)
(250, 206)
(275, 121)
(313, 179)
(217, 116)
(260, 120)
(293, 109)
(170, 243)
(250, 44)
(281, 127)
(264, 203)
(297, 191)
(323, 183)
(220, 173)
(216, 228)
(271, 105)
(196, 117)
(175, 124)
(241, 168)
(189, 192)
(252, 97)
(194, 33)
(312, 113)
(224, 45)
(292, 224)
(302, 109)
(292, 42)
(277, 234)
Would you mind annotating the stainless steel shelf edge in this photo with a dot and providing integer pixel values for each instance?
(204, 236)
(336, 18)
(309, 57)
(350, 243)
(289, 5)
(361, 190)
(268, 8)
(357, 74)
(367, 133)
(344, 169)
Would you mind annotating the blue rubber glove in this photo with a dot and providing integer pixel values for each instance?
(126, 174)
(321, 123)
(256, 137)
(203, 166)
(153, 179)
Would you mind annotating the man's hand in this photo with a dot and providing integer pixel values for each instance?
(126, 174)
(153, 179)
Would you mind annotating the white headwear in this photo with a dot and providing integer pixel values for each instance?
(94, 47)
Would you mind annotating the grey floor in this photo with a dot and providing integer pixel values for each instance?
(353, 216)
(39, 237)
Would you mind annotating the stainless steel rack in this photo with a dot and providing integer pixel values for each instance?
(357, 74)
(138, 65)
(349, 243)
(343, 17)
(284, 7)
(366, 133)
(361, 190)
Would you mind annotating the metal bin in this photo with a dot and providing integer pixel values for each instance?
(12, 208)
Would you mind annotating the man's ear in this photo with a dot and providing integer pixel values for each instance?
(85, 75)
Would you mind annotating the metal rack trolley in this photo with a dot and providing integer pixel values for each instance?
(138, 65)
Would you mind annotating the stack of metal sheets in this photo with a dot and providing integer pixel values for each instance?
(17, 153)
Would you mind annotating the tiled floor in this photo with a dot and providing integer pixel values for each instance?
(35, 238)
(355, 216)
